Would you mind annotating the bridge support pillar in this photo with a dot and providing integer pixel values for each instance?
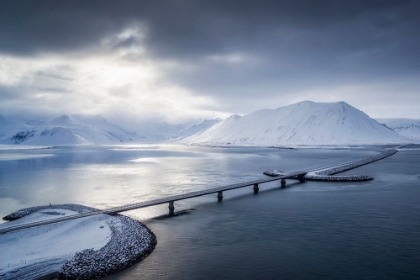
(220, 196)
(301, 178)
(256, 188)
(283, 183)
(171, 208)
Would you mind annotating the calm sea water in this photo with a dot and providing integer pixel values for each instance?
(311, 230)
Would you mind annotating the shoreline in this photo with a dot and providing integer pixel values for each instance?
(130, 242)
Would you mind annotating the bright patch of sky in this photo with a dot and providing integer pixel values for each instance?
(134, 61)
(121, 83)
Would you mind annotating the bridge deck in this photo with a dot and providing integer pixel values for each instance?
(154, 202)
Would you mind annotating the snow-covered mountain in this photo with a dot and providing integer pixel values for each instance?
(303, 123)
(82, 129)
(406, 127)
(162, 131)
(194, 128)
(64, 130)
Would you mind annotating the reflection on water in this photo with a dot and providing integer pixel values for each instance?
(4, 157)
(313, 230)
(111, 176)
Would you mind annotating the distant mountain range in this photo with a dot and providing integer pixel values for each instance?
(162, 131)
(79, 129)
(64, 130)
(406, 127)
(303, 123)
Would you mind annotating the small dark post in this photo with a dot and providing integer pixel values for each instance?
(283, 183)
(220, 196)
(256, 188)
(171, 208)
(301, 178)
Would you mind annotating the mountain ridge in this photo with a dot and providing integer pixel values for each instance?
(78, 129)
(299, 124)
(409, 128)
(63, 130)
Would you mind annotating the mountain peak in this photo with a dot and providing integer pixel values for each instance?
(305, 102)
(64, 130)
(235, 116)
(64, 119)
(303, 123)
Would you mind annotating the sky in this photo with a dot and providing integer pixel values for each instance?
(139, 61)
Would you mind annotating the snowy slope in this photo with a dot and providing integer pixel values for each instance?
(406, 127)
(64, 130)
(303, 123)
(201, 126)
(162, 131)
(38, 251)
(158, 131)
(82, 129)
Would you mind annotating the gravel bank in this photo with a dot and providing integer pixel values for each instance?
(130, 242)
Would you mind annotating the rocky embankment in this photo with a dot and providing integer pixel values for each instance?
(130, 242)
(273, 173)
(326, 174)
(27, 211)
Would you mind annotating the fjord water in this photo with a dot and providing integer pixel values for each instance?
(368, 230)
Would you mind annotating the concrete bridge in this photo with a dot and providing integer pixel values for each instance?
(299, 175)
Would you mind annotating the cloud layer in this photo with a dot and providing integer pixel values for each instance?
(182, 59)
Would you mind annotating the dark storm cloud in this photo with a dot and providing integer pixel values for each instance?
(302, 46)
(185, 28)
(286, 46)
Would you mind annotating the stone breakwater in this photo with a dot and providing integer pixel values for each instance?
(273, 173)
(27, 211)
(326, 173)
(130, 242)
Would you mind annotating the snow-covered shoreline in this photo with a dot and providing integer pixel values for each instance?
(126, 241)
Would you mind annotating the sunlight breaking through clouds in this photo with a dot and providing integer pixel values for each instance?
(108, 83)
(136, 60)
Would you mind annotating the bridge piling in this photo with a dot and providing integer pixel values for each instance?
(283, 183)
(301, 178)
(256, 188)
(171, 208)
(220, 196)
(161, 201)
